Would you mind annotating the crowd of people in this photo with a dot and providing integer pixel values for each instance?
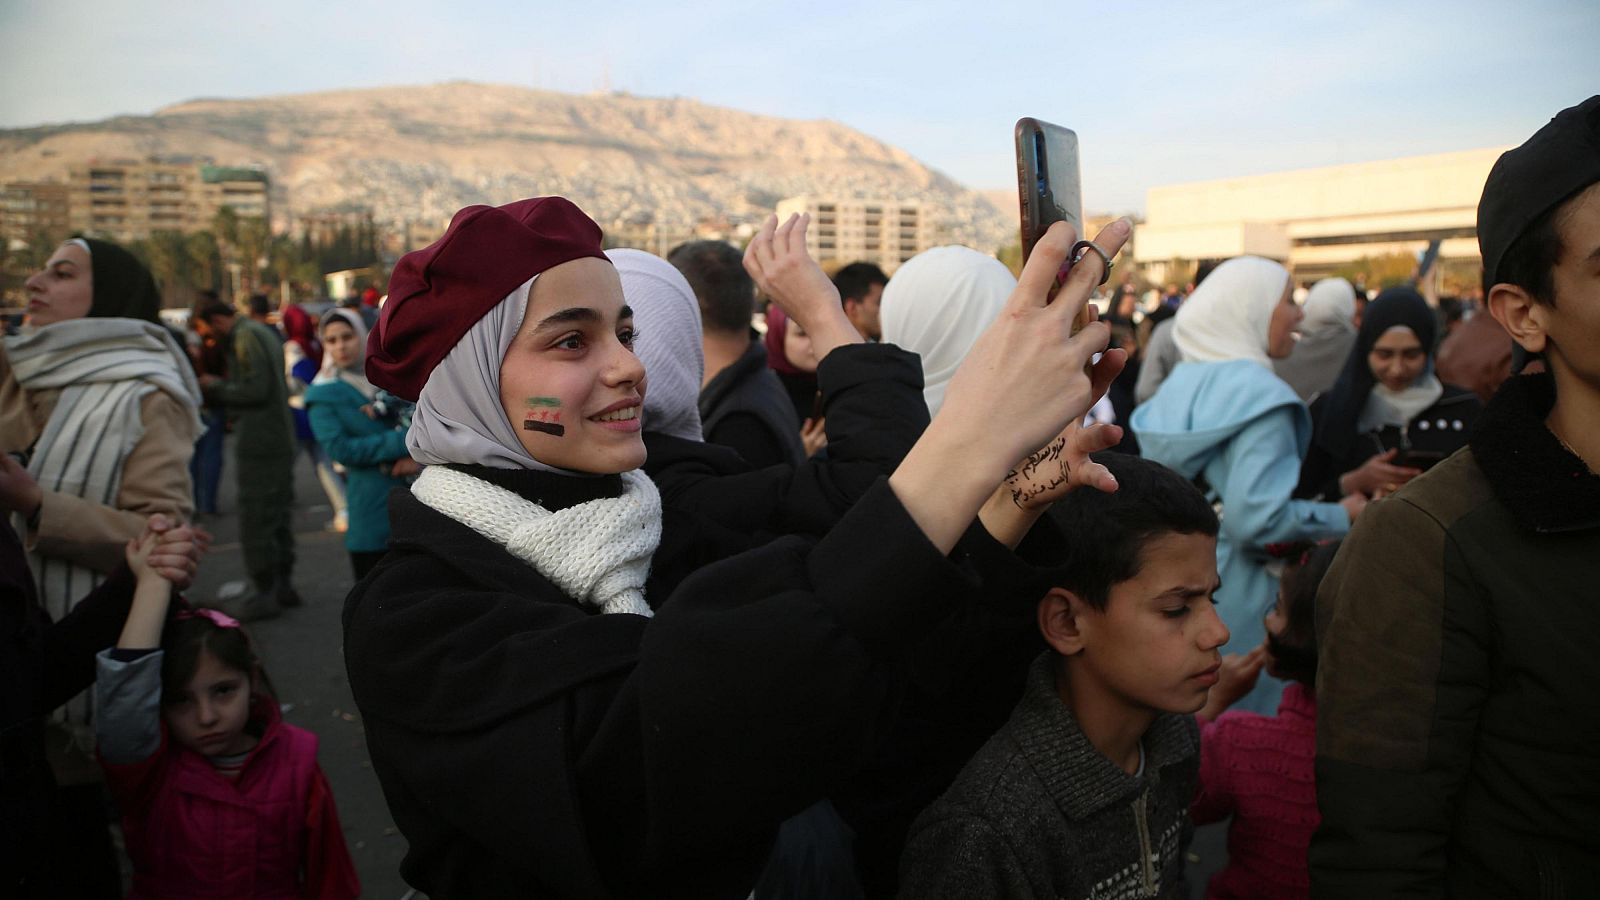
(934, 585)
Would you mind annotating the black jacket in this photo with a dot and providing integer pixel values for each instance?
(42, 665)
(745, 407)
(716, 504)
(1437, 431)
(528, 747)
(1458, 734)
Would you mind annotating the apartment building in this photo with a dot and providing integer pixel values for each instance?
(127, 200)
(28, 209)
(846, 230)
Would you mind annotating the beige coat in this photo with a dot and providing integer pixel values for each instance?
(155, 476)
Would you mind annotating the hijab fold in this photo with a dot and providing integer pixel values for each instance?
(937, 304)
(1357, 403)
(123, 287)
(1230, 313)
(354, 374)
(667, 318)
(459, 418)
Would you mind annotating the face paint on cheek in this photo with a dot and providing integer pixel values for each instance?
(544, 416)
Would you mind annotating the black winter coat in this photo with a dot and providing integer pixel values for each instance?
(715, 504)
(1437, 431)
(42, 665)
(528, 747)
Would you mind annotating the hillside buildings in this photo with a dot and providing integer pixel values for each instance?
(128, 200)
(1317, 220)
(845, 230)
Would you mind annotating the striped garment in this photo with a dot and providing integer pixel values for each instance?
(103, 368)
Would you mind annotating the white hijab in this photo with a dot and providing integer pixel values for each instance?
(1228, 315)
(356, 375)
(937, 304)
(1330, 306)
(459, 418)
(667, 317)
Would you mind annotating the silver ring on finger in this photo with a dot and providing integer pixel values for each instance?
(1081, 247)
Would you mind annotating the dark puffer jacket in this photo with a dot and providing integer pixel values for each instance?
(1458, 734)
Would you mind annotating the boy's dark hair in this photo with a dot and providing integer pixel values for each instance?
(856, 280)
(182, 641)
(715, 272)
(1105, 534)
(214, 308)
(1295, 651)
(1530, 261)
(260, 305)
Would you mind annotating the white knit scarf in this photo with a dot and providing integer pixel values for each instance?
(103, 369)
(597, 552)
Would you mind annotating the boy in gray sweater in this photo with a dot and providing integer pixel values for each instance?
(1084, 792)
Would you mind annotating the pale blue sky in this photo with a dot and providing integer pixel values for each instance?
(1158, 92)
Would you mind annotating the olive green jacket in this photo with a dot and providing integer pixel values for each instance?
(256, 397)
(1458, 725)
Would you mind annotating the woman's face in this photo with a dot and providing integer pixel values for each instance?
(570, 383)
(1286, 317)
(797, 347)
(339, 342)
(63, 290)
(1397, 358)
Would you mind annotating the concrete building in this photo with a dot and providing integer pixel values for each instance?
(1317, 220)
(846, 230)
(32, 209)
(127, 200)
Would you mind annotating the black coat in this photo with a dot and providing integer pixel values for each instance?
(1438, 431)
(42, 665)
(715, 504)
(528, 747)
(745, 407)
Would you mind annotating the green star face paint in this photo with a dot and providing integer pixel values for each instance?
(543, 415)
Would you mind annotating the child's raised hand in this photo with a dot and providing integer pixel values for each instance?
(177, 551)
(137, 553)
(1237, 676)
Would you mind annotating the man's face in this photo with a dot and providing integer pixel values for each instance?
(1572, 324)
(863, 313)
(214, 327)
(1156, 646)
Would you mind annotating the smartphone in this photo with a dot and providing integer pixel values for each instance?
(1421, 459)
(1049, 189)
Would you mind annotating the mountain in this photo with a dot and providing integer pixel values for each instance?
(420, 153)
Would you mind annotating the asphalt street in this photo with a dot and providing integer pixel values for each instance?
(302, 653)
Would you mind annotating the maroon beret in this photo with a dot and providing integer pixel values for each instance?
(438, 293)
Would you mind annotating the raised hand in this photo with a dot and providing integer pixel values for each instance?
(1021, 385)
(782, 267)
(177, 550)
(18, 491)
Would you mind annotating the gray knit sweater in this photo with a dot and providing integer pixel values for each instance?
(1039, 813)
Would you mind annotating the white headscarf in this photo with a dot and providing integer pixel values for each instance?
(1228, 315)
(356, 375)
(937, 304)
(667, 317)
(459, 418)
(1330, 306)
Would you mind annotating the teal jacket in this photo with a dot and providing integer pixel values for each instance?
(1243, 429)
(361, 445)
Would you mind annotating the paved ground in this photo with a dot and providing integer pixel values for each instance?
(302, 654)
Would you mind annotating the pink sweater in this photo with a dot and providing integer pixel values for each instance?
(1261, 770)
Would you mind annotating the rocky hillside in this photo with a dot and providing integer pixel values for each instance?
(420, 153)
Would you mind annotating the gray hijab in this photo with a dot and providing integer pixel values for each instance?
(459, 418)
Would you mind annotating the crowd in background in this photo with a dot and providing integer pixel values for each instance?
(637, 613)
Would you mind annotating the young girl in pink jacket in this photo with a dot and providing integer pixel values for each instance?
(220, 798)
(1261, 769)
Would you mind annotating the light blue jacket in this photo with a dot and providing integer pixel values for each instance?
(1246, 431)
